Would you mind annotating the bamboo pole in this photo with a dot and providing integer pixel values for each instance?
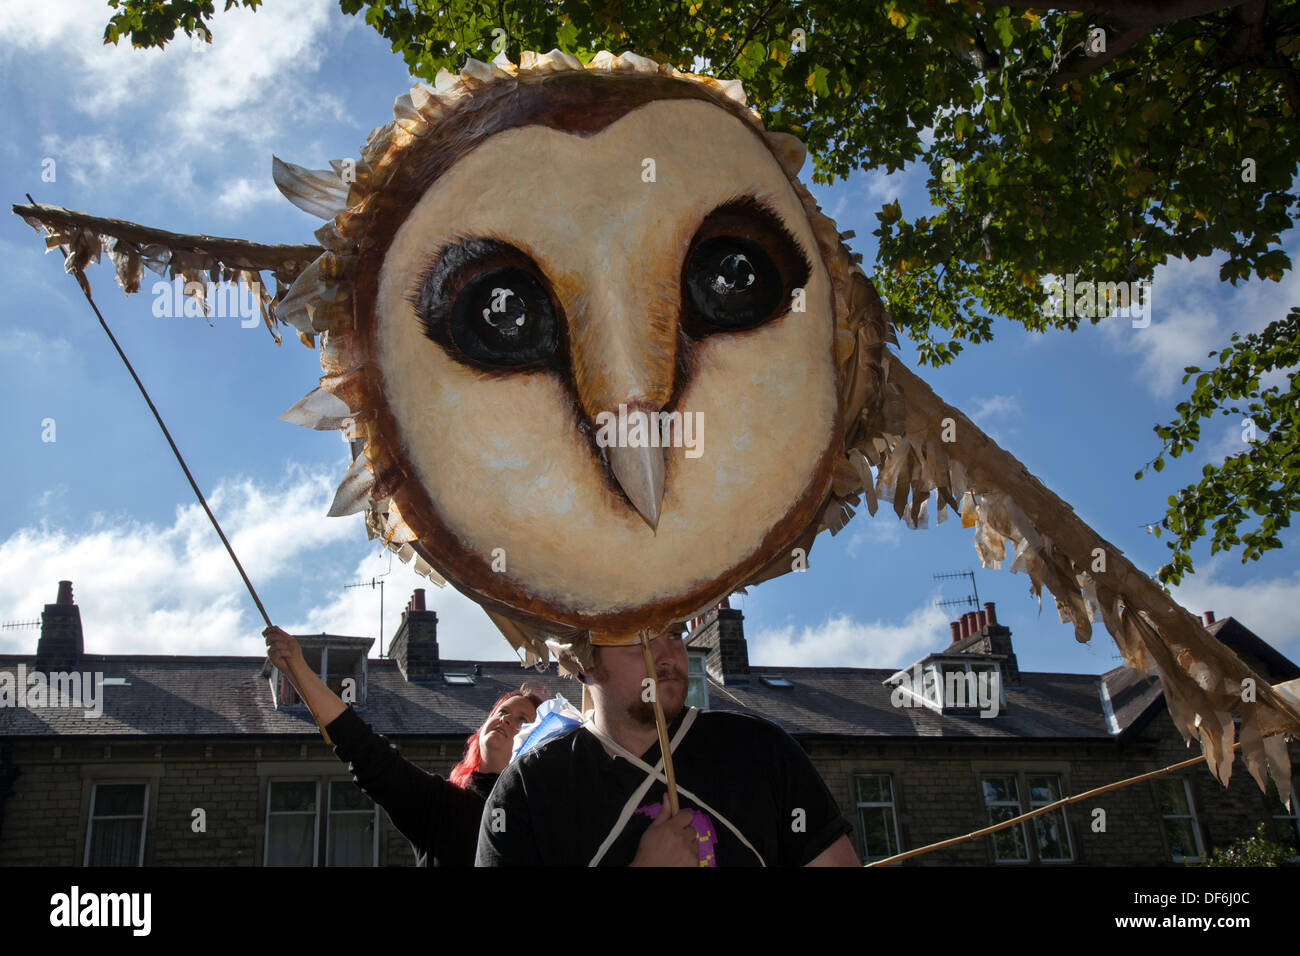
(976, 834)
(295, 674)
(661, 725)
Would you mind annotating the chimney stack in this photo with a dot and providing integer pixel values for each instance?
(61, 644)
(991, 638)
(415, 645)
(723, 634)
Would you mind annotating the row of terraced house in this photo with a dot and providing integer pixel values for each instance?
(213, 761)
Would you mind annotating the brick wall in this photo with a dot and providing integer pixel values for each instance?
(937, 793)
(46, 813)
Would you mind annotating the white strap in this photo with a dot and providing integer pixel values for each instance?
(653, 773)
(630, 806)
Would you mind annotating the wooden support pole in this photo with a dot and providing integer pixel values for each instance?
(660, 724)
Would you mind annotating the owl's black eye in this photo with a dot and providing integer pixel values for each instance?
(504, 317)
(485, 303)
(743, 269)
(732, 283)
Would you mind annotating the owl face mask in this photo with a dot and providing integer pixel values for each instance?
(589, 332)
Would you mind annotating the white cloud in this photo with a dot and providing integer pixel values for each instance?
(145, 588)
(261, 70)
(843, 642)
(97, 159)
(883, 529)
(995, 406)
(34, 349)
(243, 195)
(1192, 312)
(1267, 607)
(464, 631)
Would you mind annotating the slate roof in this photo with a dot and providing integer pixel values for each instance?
(855, 702)
(225, 696)
(171, 696)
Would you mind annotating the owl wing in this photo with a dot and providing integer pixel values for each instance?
(132, 248)
(917, 443)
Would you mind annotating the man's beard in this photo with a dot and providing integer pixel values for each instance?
(643, 712)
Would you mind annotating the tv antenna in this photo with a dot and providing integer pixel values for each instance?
(376, 582)
(13, 625)
(968, 600)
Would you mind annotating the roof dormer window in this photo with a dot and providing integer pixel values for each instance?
(340, 662)
(951, 685)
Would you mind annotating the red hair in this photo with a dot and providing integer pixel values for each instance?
(473, 758)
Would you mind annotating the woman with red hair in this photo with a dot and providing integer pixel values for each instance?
(439, 816)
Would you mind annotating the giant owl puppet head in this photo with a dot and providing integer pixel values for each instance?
(602, 361)
(594, 336)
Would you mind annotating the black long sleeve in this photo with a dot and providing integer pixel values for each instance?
(439, 818)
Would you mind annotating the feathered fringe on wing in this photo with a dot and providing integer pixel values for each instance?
(196, 259)
(902, 436)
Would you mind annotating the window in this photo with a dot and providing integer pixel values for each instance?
(1005, 797)
(1178, 819)
(965, 687)
(459, 680)
(1050, 830)
(1002, 800)
(775, 680)
(294, 834)
(339, 661)
(117, 817)
(291, 832)
(697, 679)
(1286, 825)
(351, 835)
(877, 821)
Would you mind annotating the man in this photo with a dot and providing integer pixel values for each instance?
(749, 796)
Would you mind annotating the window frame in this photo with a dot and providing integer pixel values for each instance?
(1190, 815)
(1022, 772)
(285, 697)
(273, 772)
(330, 811)
(893, 813)
(266, 818)
(701, 679)
(113, 773)
(90, 816)
(1293, 817)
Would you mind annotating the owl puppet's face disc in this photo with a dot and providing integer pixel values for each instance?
(551, 283)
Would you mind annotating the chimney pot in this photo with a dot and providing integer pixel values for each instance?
(955, 626)
(980, 620)
(65, 593)
(417, 600)
(964, 626)
(1209, 618)
(989, 614)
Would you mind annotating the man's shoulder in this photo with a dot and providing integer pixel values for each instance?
(558, 751)
(729, 722)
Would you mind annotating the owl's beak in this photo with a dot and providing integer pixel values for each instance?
(639, 471)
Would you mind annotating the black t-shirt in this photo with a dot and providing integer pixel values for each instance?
(439, 818)
(556, 805)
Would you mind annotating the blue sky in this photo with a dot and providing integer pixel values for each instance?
(182, 140)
